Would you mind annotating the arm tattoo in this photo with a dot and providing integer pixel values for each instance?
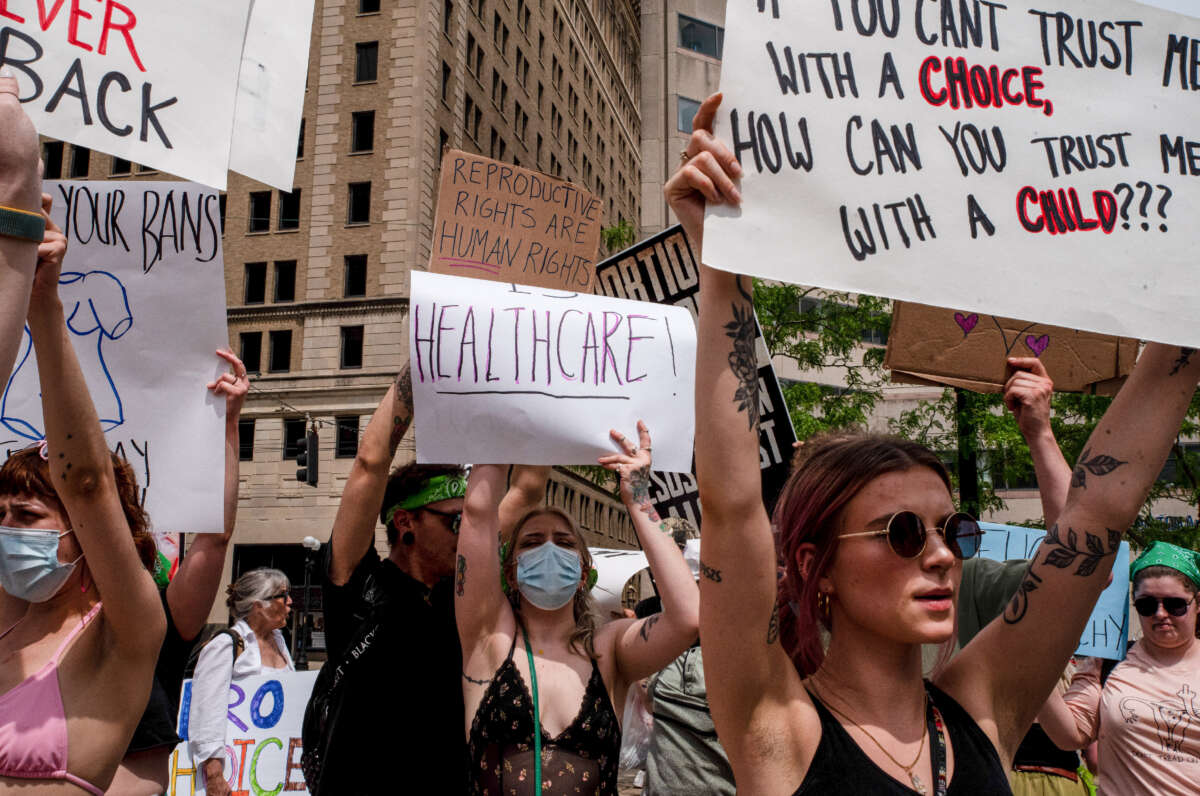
(471, 679)
(743, 359)
(773, 624)
(648, 623)
(1062, 554)
(1185, 358)
(460, 576)
(712, 574)
(639, 489)
(404, 413)
(1016, 609)
(1100, 464)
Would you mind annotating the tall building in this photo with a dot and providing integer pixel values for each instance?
(317, 279)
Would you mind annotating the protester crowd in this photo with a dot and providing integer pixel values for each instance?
(785, 657)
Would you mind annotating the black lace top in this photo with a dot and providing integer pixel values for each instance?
(582, 759)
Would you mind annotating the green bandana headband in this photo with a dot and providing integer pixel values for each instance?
(440, 487)
(1163, 554)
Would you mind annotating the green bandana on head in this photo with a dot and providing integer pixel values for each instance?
(440, 487)
(1164, 554)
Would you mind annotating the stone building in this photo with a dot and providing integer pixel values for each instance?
(317, 279)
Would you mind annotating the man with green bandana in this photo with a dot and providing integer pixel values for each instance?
(386, 715)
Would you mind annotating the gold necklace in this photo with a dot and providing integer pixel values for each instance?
(917, 783)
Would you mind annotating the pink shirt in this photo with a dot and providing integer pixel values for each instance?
(1147, 719)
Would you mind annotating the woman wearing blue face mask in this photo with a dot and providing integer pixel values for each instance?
(539, 678)
(80, 621)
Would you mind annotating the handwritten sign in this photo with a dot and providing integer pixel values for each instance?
(148, 81)
(262, 738)
(502, 222)
(966, 349)
(663, 269)
(546, 373)
(1108, 627)
(1024, 160)
(143, 287)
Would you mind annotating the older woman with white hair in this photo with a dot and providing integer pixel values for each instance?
(259, 603)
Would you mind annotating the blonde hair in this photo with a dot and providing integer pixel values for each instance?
(582, 637)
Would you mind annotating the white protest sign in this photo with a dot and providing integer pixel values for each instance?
(504, 373)
(614, 568)
(270, 91)
(143, 289)
(149, 81)
(1108, 627)
(262, 737)
(1029, 161)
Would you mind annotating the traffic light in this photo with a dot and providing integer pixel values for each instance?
(308, 458)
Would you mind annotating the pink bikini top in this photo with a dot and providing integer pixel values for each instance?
(33, 723)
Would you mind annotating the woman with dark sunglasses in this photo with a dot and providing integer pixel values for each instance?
(855, 716)
(1144, 712)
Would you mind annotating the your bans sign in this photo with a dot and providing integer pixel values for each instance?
(1018, 158)
(151, 82)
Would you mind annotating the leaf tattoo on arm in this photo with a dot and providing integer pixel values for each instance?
(743, 359)
(1016, 609)
(404, 409)
(1100, 464)
(648, 623)
(1185, 358)
(1064, 554)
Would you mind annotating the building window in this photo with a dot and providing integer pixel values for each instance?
(362, 131)
(81, 158)
(293, 436)
(358, 204)
(366, 61)
(701, 37)
(352, 346)
(347, 436)
(52, 159)
(222, 201)
(445, 81)
(447, 15)
(289, 209)
(368, 6)
(121, 166)
(300, 142)
(443, 142)
(246, 439)
(260, 211)
(280, 355)
(686, 111)
(355, 284)
(285, 280)
(256, 283)
(251, 351)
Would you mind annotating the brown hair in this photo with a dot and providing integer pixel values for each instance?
(27, 473)
(1160, 571)
(828, 471)
(582, 636)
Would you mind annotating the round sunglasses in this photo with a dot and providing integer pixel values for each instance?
(906, 534)
(1148, 606)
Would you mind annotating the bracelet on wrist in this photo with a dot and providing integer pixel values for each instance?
(22, 224)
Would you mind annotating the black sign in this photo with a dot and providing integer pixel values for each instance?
(662, 269)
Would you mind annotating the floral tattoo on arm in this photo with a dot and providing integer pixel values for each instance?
(743, 359)
(639, 491)
(1100, 464)
(404, 411)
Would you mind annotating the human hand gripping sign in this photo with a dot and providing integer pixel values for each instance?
(706, 174)
(51, 252)
(1027, 395)
(234, 385)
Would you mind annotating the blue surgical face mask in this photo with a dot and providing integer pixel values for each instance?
(548, 576)
(29, 565)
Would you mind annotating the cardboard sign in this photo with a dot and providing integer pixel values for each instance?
(270, 91)
(148, 81)
(1027, 160)
(662, 269)
(262, 738)
(546, 373)
(143, 288)
(508, 224)
(1107, 629)
(930, 345)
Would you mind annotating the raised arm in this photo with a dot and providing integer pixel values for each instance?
(1072, 719)
(82, 473)
(1010, 668)
(20, 189)
(1027, 395)
(354, 525)
(479, 602)
(526, 491)
(191, 592)
(644, 646)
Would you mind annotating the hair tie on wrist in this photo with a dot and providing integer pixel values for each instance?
(22, 224)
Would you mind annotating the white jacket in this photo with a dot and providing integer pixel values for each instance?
(215, 670)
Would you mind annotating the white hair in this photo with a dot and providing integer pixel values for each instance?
(253, 587)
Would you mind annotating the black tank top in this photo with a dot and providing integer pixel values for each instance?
(582, 759)
(839, 766)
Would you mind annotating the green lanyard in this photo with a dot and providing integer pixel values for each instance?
(537, 721)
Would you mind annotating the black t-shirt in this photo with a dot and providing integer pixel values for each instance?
(399, 726)
(157, 725)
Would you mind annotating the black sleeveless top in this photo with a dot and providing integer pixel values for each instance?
(582, 759)
(841, 767)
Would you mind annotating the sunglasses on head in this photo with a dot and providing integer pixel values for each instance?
(1148, 605)
(455, 517)
(906, 534)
